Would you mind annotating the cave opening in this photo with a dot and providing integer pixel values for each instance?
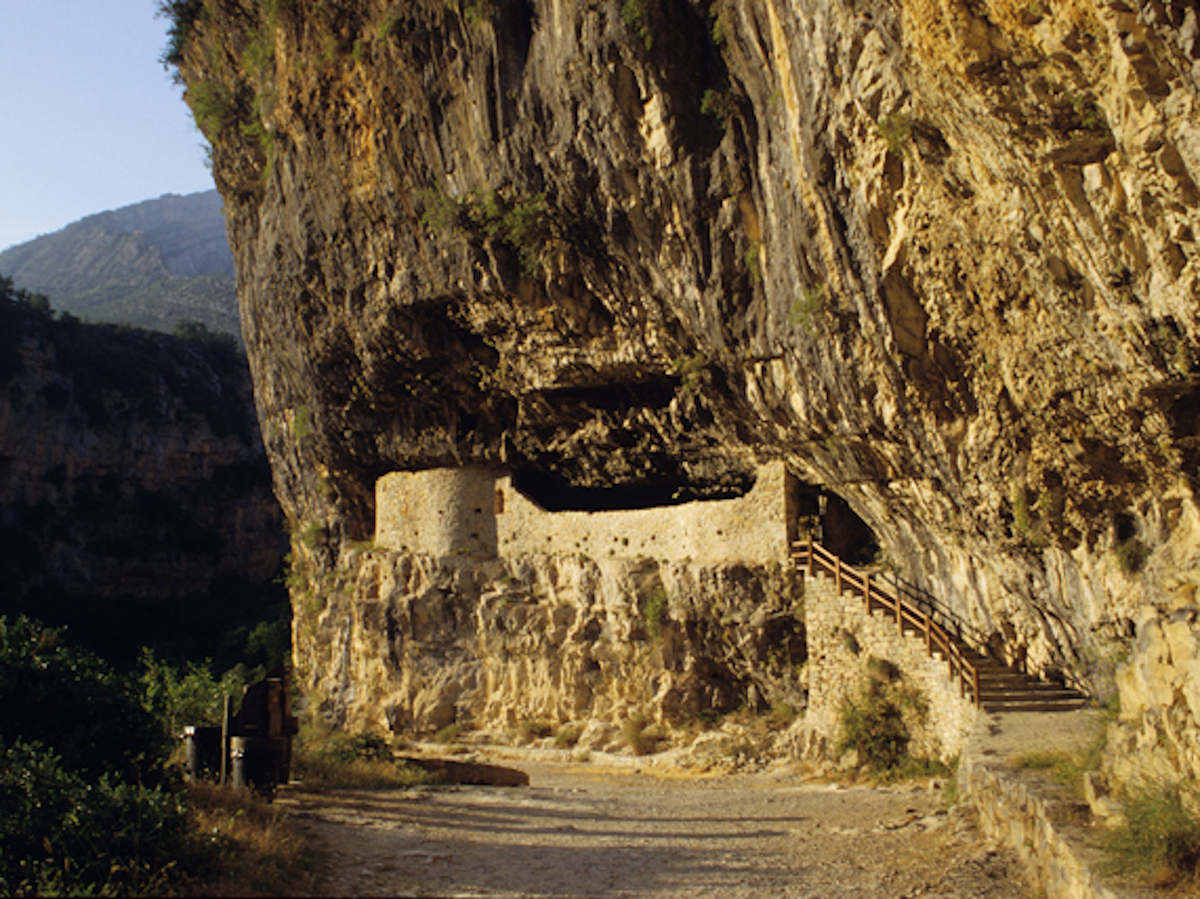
(554, 493)
(829, 520)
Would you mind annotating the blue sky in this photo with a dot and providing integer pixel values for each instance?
(90, 119)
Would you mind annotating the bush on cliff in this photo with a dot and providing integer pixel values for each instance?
(1160, 835)
(877, 725)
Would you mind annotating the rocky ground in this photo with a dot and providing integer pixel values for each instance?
(598, 830)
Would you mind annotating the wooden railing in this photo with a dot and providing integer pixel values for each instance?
(878, 595)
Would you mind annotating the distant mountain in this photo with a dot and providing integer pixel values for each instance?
(149, 265)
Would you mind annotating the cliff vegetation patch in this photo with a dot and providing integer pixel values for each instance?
(876, 727)
(1160, 836)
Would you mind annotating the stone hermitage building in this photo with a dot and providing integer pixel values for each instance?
(475, 511)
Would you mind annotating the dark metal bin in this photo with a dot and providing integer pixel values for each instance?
(259, 762)
(203, 752)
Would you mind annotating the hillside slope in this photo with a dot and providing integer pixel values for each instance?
(149, 265)
(135, 495)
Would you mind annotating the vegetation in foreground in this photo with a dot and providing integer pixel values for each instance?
(1160, 837)
(90, 802)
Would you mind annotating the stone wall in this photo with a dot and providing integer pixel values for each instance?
(842, 636)
(475, 511)
(443, 511)
(477, 607)
(1047, 826)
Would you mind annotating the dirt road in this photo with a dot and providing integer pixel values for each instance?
(585, 831)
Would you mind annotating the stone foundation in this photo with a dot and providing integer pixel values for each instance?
(842, 636)
(413, 643)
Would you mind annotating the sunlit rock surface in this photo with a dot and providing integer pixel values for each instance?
(937, 256)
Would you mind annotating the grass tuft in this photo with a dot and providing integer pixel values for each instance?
(255, 848)
(326, 759)
(640, 738)
(1160, 836)
(567, 736)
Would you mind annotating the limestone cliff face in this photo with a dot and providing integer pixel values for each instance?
(135, 498)
(937, 255)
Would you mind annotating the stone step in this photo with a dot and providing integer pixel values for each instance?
(1009, 676)
(1032, 695)
(1031, 705)
(1001, 688)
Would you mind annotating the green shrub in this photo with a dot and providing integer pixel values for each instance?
(449, 733)
(327, 759)
(522, 225)
(362, 746)
(850, 643)
(86, 804)
(1160, 835)
(753, 262)
(875, 725)
(186, 694)
(656, 612)
(62, 834)
(1090, 116)
(183, 15)
(781, 714)
(717, 103)
(75, 706)
(808, 307)
(212, 107)
(476, 12)
(690, 369)
(636, 17)
(567, 736)
(440, 211)
(302, 423)
(896, 129)
(1132, 555)
(534, 729)
(642, 739)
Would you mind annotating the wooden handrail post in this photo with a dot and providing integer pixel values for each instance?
(928, 635)
(226, 723)
(867, 591)
(837, 573)
(810, 556)
(899, 615)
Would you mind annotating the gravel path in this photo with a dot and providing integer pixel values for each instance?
(583, 831)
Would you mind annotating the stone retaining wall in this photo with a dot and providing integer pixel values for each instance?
(842, 637)
(1039, 820)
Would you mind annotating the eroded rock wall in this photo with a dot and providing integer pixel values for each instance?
(135, 493)
(937, 255)
(415, 643)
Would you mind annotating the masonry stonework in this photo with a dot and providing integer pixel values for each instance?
(442, 512)
(475, 511)
(842, 636)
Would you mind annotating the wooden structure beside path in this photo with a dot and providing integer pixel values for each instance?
(987, 682)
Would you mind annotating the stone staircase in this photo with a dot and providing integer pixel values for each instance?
(1005, 689)
(991, 685)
